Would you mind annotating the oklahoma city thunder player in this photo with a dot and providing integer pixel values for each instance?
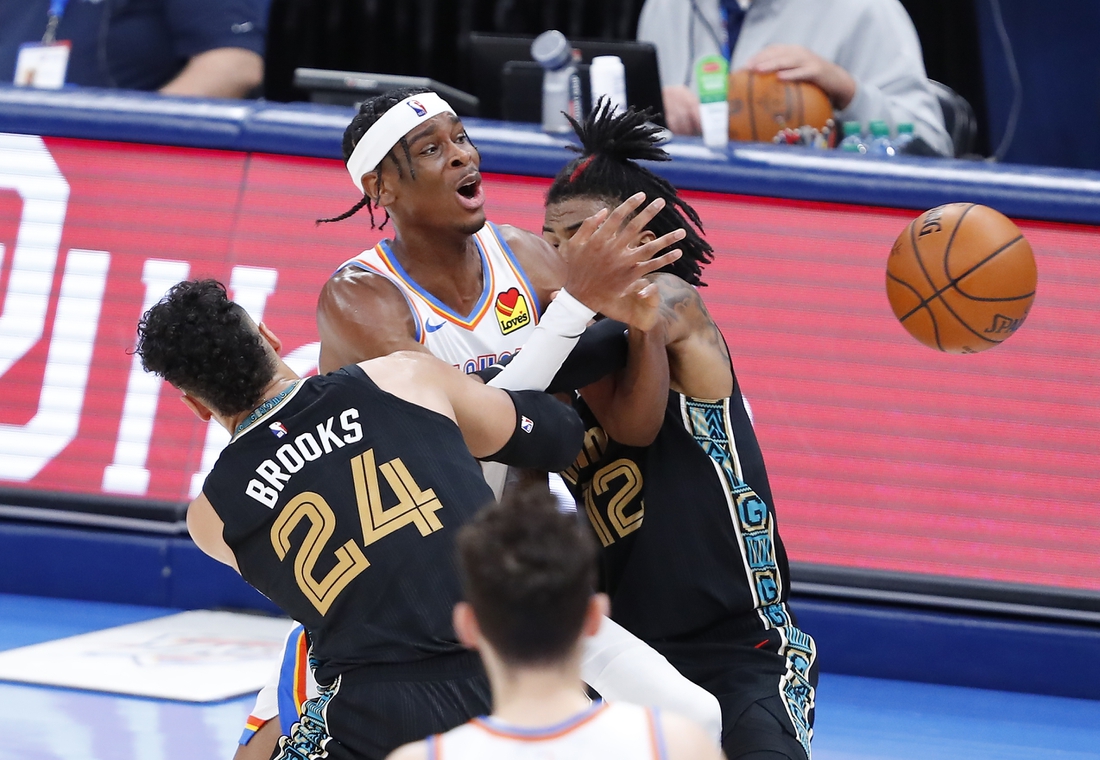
(528, 583)
(471, 293)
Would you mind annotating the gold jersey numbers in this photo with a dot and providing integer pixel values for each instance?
(415, 506)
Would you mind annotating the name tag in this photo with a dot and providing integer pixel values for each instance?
(42, 65)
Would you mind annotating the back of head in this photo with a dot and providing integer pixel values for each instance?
(206, 345)
(607, 170)
(529, 572)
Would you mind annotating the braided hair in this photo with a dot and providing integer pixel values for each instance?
(607, 169)
(370, 112)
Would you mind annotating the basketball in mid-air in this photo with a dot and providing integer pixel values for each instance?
(961, 278)
(762, 105)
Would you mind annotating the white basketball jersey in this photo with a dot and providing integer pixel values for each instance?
(605, 731)
(501, 320)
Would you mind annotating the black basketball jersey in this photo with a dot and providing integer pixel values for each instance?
(341, 504)
(687, 523)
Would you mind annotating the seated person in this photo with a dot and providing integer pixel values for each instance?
(205, 48)
(529, 575)
(864, 54)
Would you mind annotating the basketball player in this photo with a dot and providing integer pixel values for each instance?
(673, 481)
(338, 498)
(471, 293)
(528, 583)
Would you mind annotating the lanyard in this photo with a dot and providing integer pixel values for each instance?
(732, 16)
(57, 10)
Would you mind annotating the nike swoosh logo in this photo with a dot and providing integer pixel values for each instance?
(432, 328)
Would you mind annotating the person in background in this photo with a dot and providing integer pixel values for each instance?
(204, 48)
(864, 54)
(529, 577)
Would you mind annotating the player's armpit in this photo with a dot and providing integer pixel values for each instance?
(205, 528)
(360, 316)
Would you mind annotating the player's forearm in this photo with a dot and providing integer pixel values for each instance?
(218, 73)
(635, 410)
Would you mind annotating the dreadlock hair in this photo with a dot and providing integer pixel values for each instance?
(370, 112)
(204, 344)
(607, 170)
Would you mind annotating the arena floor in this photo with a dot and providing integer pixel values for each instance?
(858, 718)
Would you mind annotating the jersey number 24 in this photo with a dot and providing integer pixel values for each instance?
(414, 506)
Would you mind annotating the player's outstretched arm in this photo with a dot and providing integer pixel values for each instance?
(520, 428)
(360, 316)
(685, 740)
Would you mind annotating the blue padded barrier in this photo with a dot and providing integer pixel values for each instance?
(110, 566)
(954, 649)
(761, 170)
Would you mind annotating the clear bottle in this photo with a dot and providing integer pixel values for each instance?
(853, 141)
(881, 144)
(560, 93)
(905, 136)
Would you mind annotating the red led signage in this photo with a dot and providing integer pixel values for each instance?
(882, 453)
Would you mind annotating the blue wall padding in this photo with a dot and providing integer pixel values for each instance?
(83, 564)
(748, 169)
(953, 649)
(111, 566)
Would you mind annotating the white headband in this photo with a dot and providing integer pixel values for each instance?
(389, 129)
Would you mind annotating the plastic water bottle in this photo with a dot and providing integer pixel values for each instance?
(881, 144)
(905, 136)
(608, 79)
(853, 141)
(559, 90)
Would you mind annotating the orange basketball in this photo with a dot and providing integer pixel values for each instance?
(961, 278)
(762, 105)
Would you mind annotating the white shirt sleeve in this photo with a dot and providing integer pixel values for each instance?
(623, 668)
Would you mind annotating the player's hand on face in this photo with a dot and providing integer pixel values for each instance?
(603, 267)
(795, 63)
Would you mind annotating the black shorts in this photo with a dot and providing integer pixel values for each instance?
(367, 713)
(763, 732)
(764, 680)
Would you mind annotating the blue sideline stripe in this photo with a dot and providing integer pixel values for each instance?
(760, 170)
